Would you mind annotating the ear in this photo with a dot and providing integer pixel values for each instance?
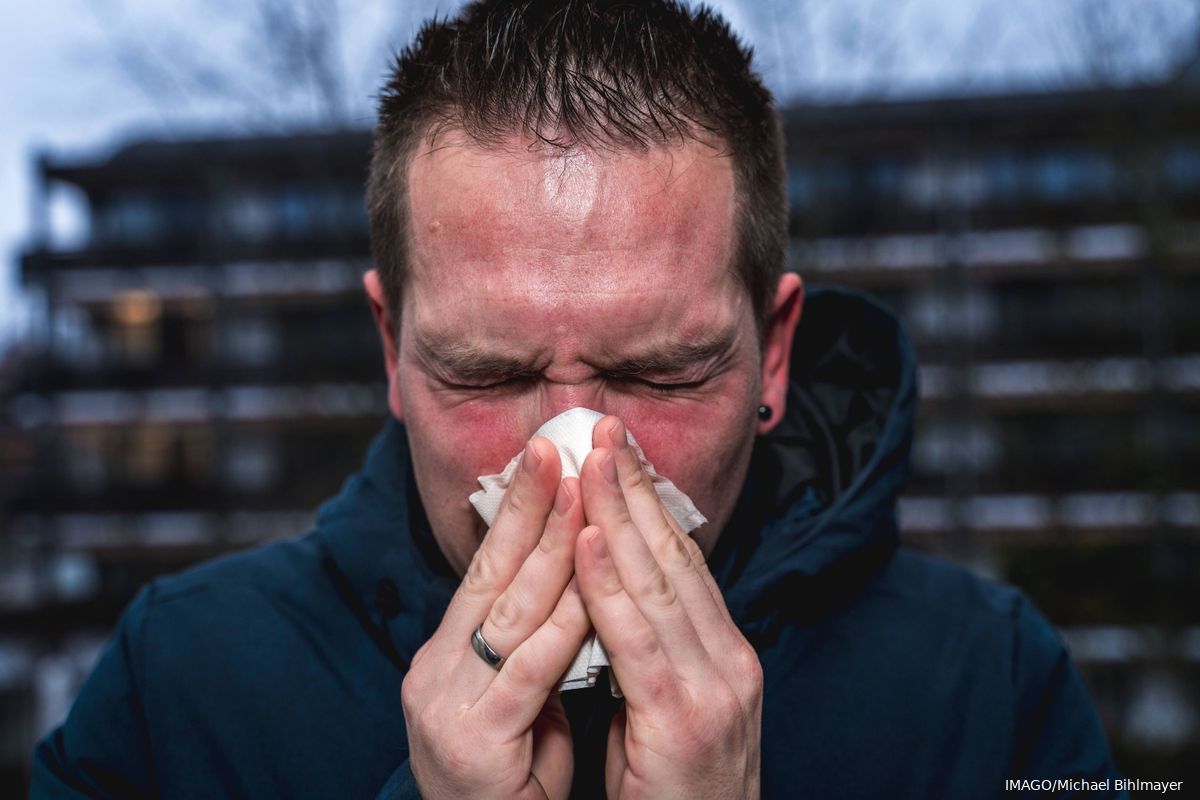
(385, 324)
(777, 347)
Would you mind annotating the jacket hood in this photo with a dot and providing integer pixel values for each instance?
(815, 519)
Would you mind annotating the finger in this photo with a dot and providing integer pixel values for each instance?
(513, 535)
(648, 677)
(528, 601)
(639, 574)
(645, 506)
(676, 552)
(513, 700)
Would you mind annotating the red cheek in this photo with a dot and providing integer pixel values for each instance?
(670, 434)
(485, 437)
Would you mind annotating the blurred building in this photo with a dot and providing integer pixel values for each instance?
(210, 371)
(1045, 254)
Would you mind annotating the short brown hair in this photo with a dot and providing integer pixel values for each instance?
(594, 73)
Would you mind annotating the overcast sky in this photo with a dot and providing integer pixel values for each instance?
(67, 88)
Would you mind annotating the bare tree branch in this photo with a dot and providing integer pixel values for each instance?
(276, 64)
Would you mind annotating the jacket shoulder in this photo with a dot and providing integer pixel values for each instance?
(278, 567)
(959, 597)
(924, 610)
(240, 615)
(1056, 731)
(953, 593)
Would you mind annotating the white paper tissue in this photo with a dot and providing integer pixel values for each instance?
(571, 433)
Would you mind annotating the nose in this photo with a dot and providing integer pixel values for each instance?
(555, 398)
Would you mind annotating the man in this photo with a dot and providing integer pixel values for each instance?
(581, 204)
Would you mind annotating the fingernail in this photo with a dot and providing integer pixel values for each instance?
(563, 500)
(531, 459)
(617, 434)
(599, 548)
(609, 467)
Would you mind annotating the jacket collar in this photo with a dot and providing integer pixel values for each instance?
(375, 532)
(816, 518)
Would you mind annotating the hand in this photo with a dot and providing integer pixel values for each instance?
(691, 723)
(474, 731)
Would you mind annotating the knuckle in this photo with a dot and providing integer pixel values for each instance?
(522, 671)
(657, 588)
(749, 669)
(425, 723)
(506, 612)
(419, 656)
(609, 584)
(548, 543)
(482, 573)
(693, 550)
(676, 554)
(410, 700)
(561, 620)
(746, 661)
(517, 499)
(643, 644)
(635, 480)
(523, 498)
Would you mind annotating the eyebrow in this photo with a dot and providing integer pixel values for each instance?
(466, 360)
(472, 362)
(675, 355)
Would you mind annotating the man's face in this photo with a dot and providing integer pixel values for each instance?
(544, 281)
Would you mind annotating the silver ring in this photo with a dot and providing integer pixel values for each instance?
(485, 651)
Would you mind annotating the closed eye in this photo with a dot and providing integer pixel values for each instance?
(522, 382)
(511, 382)
(667, 388)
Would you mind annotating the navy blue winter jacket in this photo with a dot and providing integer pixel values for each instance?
(276, 672)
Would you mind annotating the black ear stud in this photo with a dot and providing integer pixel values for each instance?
(764, 413)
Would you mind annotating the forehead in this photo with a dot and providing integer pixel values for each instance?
(547, 221)
(568, 257)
